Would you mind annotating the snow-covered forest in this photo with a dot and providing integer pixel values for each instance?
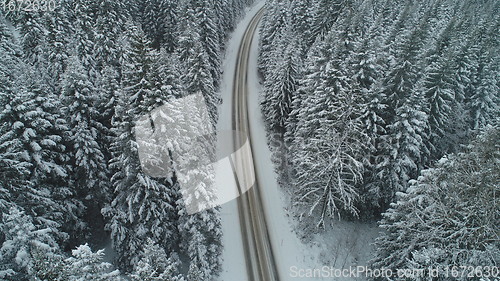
(72, 84)
(380, 111)
(388, 110)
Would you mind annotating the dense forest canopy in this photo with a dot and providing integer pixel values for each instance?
(365, 94)
(377, 110)
(373, 108)
(73, 82)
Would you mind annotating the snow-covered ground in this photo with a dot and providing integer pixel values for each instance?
(234, 266)
(288, 250)
(348, 244)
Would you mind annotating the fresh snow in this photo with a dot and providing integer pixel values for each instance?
(348, 244)
(234, 266)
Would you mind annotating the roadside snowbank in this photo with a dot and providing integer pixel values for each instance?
(348, 244)
(234, 266)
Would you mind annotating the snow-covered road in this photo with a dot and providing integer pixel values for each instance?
(346, 242)
(239, 261)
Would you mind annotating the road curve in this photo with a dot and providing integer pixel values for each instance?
(260, 262)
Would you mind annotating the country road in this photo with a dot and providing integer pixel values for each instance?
(260, 261)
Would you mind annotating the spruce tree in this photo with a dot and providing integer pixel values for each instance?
(442, 105)
(447, 217)
(281, 83)
(328, 144)
(89, 171)
(155, 264)
(142, 206)
(484, 103)
(197, 75)
(23, 239)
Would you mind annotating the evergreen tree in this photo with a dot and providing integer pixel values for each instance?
(9, 59)
(23, 239)
(198, 78)
(201, 239)
(198, 221)
(55, 48)
(170, 19)
(426, 73)
(108, 86)
(301, 19)
(87, 265)
(85, 35)
(324, 14)
(89, 171)
(447, 217)
(281, 83)
(273, 21)
(32, 119)
(328, 144)
(156, 265)
(13, 166)
(442, 106)
(143, 206)
(485, 101)
(153, 21)
(403, 149)
(210, 36)
(33, 30)
(82, 265)
(110, 19)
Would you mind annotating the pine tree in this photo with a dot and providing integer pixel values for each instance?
(85, 35)
(198, 77)
(199, 30)
(273, 22)
(447, 217)
(110, 20)
(32, 119)
(223, 21)
(374, 196)
(9, 61)
(407, 151)
(210, 37)
(12, 165)
(201, 238)
(425, 71)
(89, 171)
(33, 30)
(153, 21)
(108, 86)
(328, 144)
(87, 265)
(442, 106)
(56, 49)
(143, 206)
(156, 265)
(171, 25)
(403, 150)
(302, 22)
(324, 14)
(198, 221)
(82, 265)
(281, 83)
(367, 70)
(484, 105)
(23, 239)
